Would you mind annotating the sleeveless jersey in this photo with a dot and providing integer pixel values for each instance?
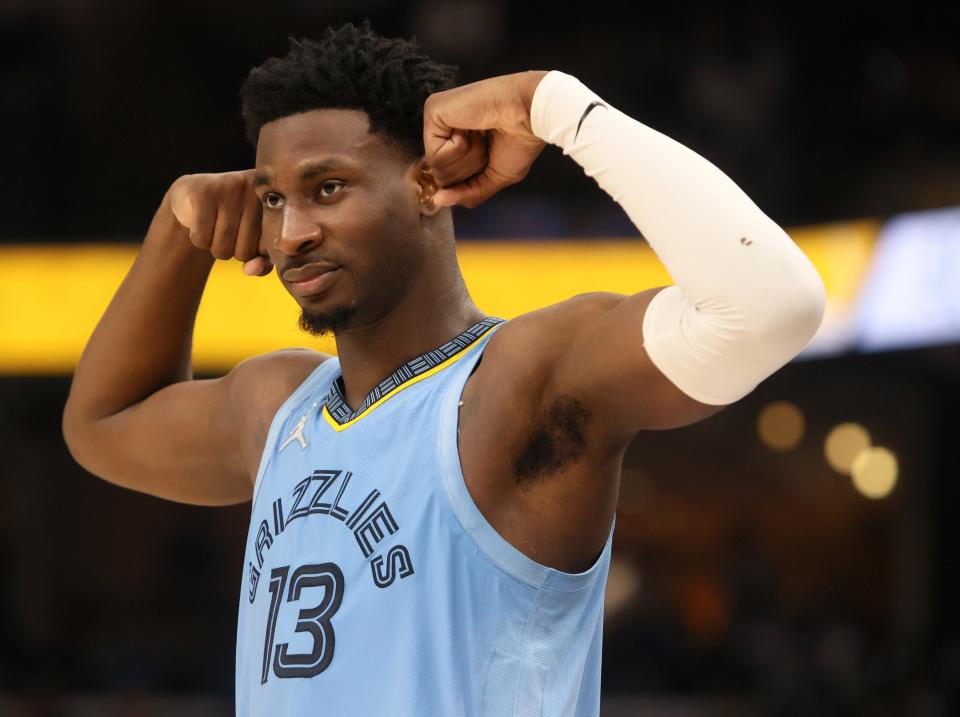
(373, 585)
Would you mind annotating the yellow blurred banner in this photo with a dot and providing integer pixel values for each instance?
(52, 295)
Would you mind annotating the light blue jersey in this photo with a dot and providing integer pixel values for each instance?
(374, 586)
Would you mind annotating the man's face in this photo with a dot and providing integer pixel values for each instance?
(336, 195)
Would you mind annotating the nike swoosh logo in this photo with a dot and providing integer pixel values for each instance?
(595, 103)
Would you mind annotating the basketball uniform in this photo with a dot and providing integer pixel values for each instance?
(373, 585)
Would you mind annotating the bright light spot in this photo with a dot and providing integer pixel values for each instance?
(875, 472)
(844, 444)
(623, 585)
(781, 425)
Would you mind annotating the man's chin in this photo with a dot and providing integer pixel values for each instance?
(320, 323)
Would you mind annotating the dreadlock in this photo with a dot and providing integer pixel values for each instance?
(350, 67)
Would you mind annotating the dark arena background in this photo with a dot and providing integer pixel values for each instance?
(793, 555)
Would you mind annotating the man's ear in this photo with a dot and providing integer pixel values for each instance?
(426, 187)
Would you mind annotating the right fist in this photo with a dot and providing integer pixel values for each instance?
(222, 214)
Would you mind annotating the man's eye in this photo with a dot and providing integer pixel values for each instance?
(272, 201)
(332, 186)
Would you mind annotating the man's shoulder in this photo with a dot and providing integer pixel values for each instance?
(265, 381)
(540, 336)
(258, 386)
(295, 358)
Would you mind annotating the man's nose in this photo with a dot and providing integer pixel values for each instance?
(297, 231)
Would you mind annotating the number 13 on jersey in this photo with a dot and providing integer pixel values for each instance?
(313, 620)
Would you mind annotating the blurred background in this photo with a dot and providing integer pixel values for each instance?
(793, 555)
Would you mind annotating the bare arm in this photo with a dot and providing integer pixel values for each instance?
(134, 416)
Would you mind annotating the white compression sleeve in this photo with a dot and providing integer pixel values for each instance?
(746, 299)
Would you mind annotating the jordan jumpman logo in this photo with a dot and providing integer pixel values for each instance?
(297, 432)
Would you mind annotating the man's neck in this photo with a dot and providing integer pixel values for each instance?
(370, 353)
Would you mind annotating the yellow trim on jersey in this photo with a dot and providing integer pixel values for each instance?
(439, 367)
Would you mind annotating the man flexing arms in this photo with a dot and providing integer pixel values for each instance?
(481, 494)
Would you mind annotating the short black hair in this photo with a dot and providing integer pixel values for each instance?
(350, 67)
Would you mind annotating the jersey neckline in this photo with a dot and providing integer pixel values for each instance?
(337, 411)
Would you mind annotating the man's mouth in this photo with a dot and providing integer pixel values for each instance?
(308, 271)
(311, 279)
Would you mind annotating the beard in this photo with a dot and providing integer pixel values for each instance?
(321, 323)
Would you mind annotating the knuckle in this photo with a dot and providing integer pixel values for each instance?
(245, 253)
(222, 248)
(221, 252)
(200, 240)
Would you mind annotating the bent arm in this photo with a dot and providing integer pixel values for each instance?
(133, 415)
(196, 441)
(182, 443)
(746, 299)
(143, 340)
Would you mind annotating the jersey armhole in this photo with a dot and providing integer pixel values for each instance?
(493, 545)
(300, 393)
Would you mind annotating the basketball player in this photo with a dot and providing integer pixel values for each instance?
(433, 508)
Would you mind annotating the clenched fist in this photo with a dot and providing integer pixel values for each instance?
(221, 213)
(477, 138)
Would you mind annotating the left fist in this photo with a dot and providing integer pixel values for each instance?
(477, 138)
